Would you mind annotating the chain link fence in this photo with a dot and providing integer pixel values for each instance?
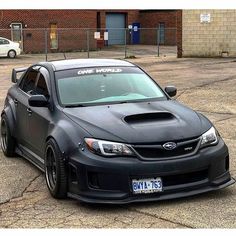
(94, 43)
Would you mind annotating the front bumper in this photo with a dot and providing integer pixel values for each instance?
(95, 179)
(18, 51)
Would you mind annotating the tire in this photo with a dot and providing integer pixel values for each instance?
(8, 143)
(55, 170)
(11, 54)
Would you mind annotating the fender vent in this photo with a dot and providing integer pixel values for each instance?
(148, 117)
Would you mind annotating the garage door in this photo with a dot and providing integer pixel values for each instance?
(115, 24)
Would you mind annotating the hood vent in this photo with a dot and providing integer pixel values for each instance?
(148, 117)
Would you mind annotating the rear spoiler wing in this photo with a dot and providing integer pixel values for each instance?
(15, 72)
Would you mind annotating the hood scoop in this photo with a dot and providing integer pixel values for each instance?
(149, 117)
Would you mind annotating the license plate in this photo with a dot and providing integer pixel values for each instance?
(147, 185)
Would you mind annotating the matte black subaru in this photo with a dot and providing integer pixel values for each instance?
(103, 131)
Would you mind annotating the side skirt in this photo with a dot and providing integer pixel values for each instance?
(30, 156)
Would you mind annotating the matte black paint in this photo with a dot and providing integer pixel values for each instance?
(171, 121)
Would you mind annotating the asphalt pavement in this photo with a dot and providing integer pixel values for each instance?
(206, 85)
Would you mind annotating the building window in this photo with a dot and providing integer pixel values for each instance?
(53, 36)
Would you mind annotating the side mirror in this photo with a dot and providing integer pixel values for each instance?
(15, 72)
(13, 76)
(38, 101)
(171, 90)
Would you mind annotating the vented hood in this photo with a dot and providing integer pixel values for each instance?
(133, 123)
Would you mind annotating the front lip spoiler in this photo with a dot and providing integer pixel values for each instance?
(159, 198)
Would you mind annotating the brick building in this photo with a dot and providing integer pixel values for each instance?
(207, 33)
(72, 30)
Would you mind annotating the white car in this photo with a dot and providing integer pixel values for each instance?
(9, 48)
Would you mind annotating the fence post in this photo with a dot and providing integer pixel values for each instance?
(125, 43)
(46, 43)
(88, 34)
(59, 33)
(158, 41)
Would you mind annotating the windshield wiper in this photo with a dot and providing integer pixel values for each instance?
(75, 105)
(120, 102)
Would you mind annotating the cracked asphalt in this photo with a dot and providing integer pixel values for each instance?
(206, 85)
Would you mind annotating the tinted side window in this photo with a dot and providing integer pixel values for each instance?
(41, 87)
(28, 83)
(3, 41)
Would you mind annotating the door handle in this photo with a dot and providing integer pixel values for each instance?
(29, 111)
(16, 101)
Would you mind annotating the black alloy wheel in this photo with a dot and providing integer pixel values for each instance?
(7, 141)
(51, 170)
(55, 170)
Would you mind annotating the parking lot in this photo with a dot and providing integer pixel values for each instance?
(206, 85)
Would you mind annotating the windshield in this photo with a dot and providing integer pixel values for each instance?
(91, 86)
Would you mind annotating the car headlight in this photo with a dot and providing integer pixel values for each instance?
(210, 137)
(107, 148)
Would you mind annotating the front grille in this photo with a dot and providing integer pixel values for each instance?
(158, 151)
(185, 178)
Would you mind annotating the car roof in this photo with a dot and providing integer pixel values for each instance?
(85, 63)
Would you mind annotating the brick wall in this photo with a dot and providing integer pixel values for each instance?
(131, 16)
(179, 33)
(43, 18)
(209, 39)
(35, 21)
(151, 19)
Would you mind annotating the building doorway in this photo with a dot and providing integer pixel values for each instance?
(53, 36)
(115, 25)
(16, 34)
(162, 33)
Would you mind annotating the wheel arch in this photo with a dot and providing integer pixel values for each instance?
(65, 141)
(12, 49)
(60, 143)
(10, 119)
